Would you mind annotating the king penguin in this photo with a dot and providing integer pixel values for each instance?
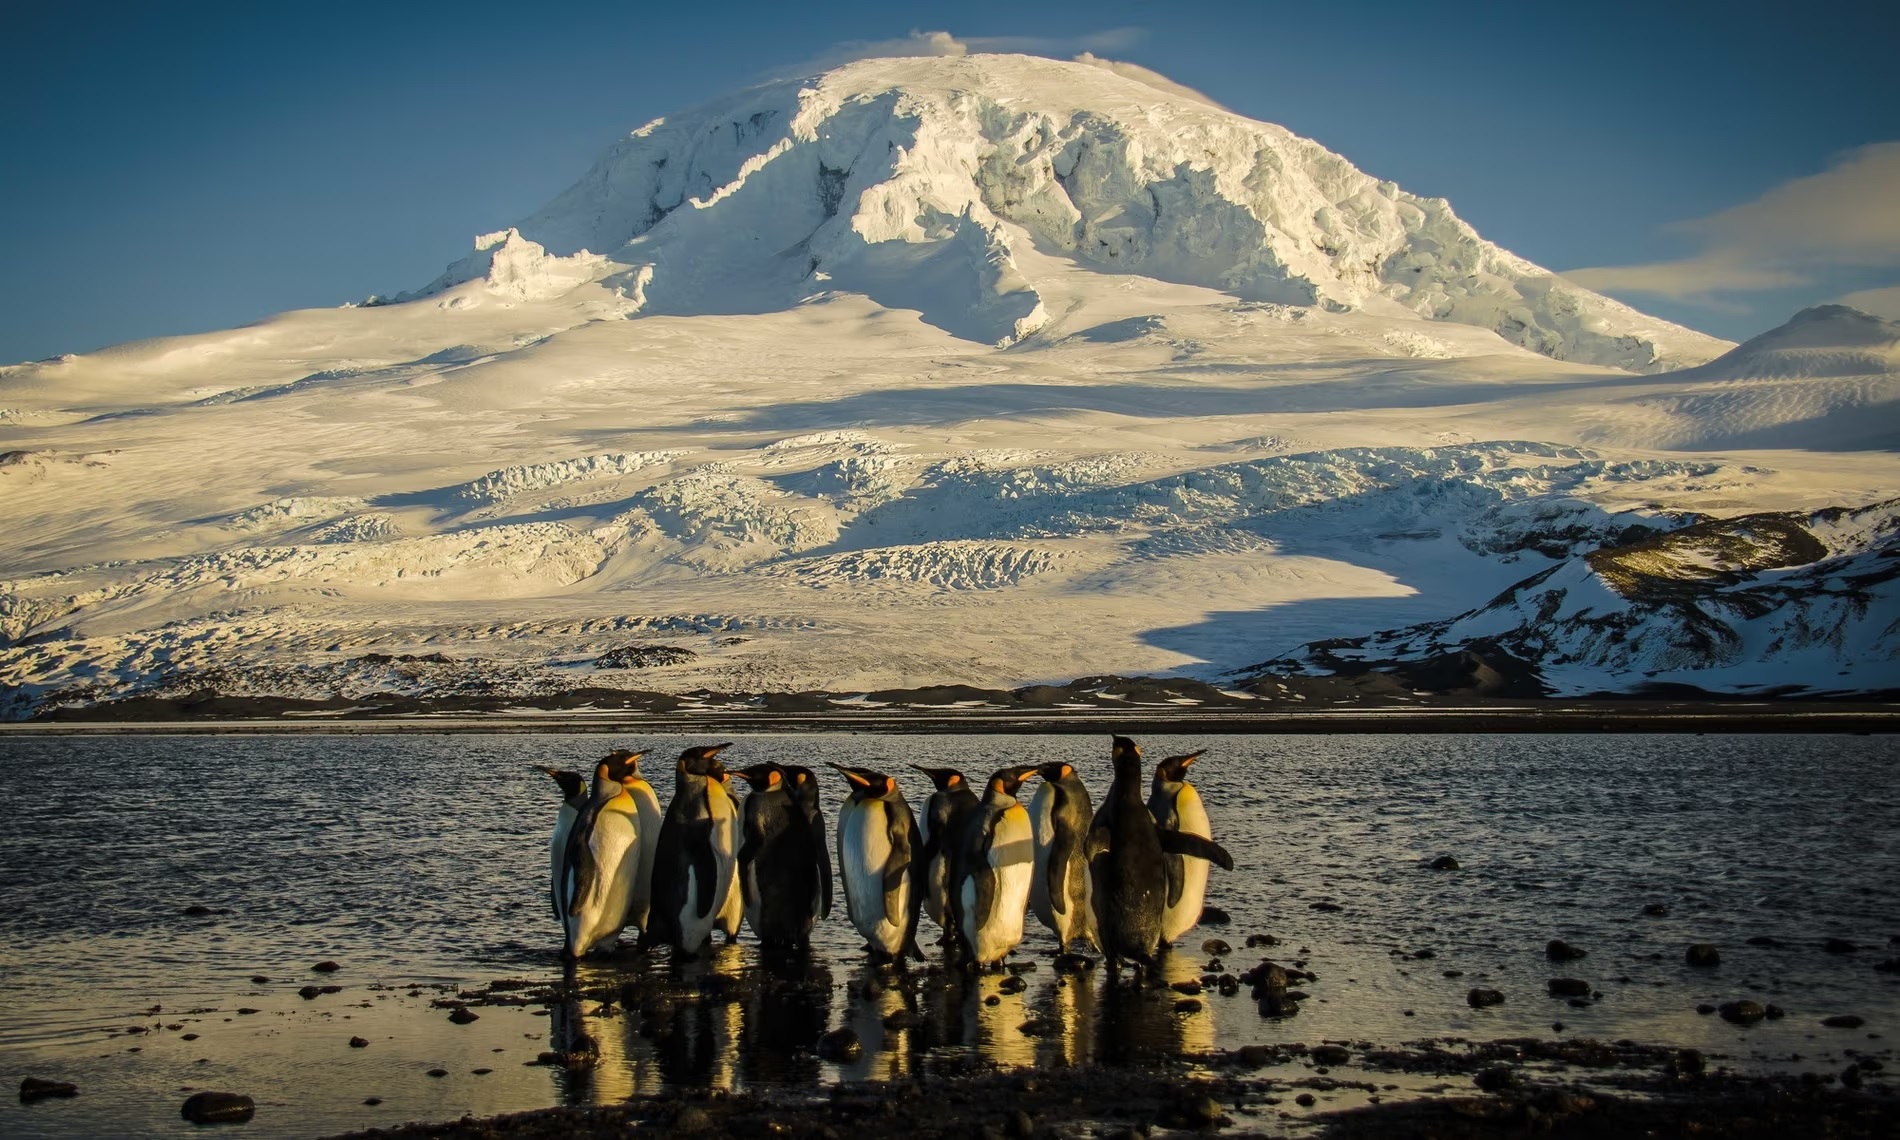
(1176, 806)
(778, 872)
(1129, 877)
(992, 863)
(647, 807)
(1060, 816)
(694, 865)
(878, 845)
(732, 910)
(951, 799)
(602, 860)
(574, 799)
(805, 791)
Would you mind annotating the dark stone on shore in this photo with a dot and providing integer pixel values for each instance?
(359, 1042)
(373, 1101)
(1255, 1056)
(1012, 985)
(1851, 1078)
(1568, 987)
(1331, 1054)
(992, 1000)
(1741, 1012)
(1306, 1100)
(1497, 1078)
(692, 1118)
(1254, 940)
(188, 1037)
(309, 992)
(1656, 910)
(1326, 907)
(35, 1088)
(1774, 1012)
(326, 967)
(1840, 946)
(1844, 1021)
(1705, 1009)
(1446, 863)
(1556, 1027)
(1481, 998)
(1040, 1027)
(1198, 1111)
(1229, 985)
(481, 1072)
(840, 1045)
(1688, 1063)
(1425, 955)
(1275, 1003)
(462, 1015)
(260, 980)
(245, 1009)
(218, 1108)
(438, 1073)
(1214, 916)
(1702, 954)
(196, 911)
(1189, 988)
(1188, 1005)
(1560, 951)
(1215, 948)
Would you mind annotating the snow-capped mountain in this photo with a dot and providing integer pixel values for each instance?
(916, 181)
(991, 371)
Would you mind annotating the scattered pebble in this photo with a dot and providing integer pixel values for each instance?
(462, 1015)
(840, 1045)
(35, 1088)
(326, 967)
(359, 1043)
(218, 1108)
(1702, 954)
(1741, 1012)
(1560, 951)
(1446, 863)
(1843, 1021)
(1480, 997)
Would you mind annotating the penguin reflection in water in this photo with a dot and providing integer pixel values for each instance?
(940, 817)
(877, 847)
(697, 857)
(993, 860)
(1130, 876)
(600, 864)
(779, 860)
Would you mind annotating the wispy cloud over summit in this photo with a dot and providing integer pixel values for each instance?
(1847, 217)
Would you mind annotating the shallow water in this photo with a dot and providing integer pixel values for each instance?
(421, 860)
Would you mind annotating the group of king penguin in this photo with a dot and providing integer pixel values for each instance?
(1127, 879)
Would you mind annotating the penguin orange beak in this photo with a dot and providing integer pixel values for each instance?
(1183, 763)
(857, 778)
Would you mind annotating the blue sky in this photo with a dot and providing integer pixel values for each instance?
(175, 167)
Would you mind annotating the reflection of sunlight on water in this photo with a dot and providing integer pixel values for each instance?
(995, 1030)
(886, 1051)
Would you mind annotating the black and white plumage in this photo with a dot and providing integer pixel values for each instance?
(878, 844)
(950, 800)
(697, 857)
(601, 861)
(1060, 817)
(573, 801)
(992, 862)
(1177, 806)
(1129, 876)
(778, 870)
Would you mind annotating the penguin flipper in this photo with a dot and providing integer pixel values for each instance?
(899, 827)
(1194, 846)
(1097, 844)
(705, 867)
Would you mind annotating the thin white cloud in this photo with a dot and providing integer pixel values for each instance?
(1884, 302)
(1844, 217)
(941, 43)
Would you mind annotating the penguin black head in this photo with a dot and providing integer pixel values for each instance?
(1007, 781)
(1056, 771)
(764, 777)
(944, 779)
(1127, 756)
(702, 761)
(866, 784)
(625, 764)
(572, 783)
(1174, 769)
(804, 785)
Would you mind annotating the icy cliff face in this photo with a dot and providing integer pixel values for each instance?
(916, 181)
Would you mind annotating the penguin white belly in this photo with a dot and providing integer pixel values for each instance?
(557, 859)
(726, 858)
(614, 850)
(1185, 915)
(1042, 816)
(1013, 863)
(647, 807)
(864, 850)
